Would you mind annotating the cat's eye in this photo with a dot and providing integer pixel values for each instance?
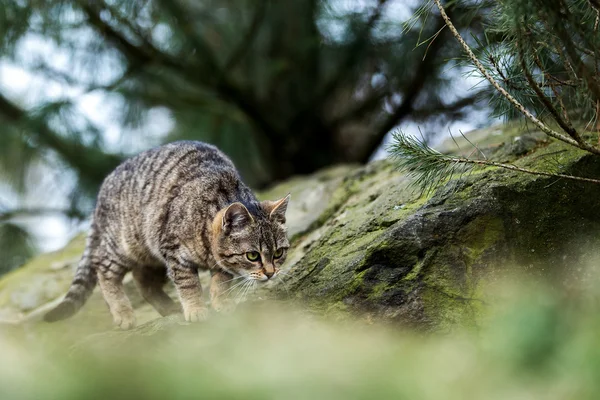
(278, 253)
(253, 255)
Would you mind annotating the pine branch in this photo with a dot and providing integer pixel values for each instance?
(543, 127)
(410, 95)
(566, 126)
(429, 168)
(577, 62)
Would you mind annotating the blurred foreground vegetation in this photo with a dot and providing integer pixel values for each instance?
(536, 341)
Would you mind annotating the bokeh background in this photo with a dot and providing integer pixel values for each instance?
(284, 88)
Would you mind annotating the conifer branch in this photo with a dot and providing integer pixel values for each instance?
(543, 127)
(429, 168)
(425, 165)
(566, 126)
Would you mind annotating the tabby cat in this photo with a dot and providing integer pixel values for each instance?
(166, 213)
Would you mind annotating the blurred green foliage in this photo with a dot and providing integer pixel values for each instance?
(536, 342)
(544, 70)
(15, 245)
(283, 87)
(548, 59)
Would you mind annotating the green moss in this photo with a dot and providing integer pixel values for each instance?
(454, 302)
(415, 273)
(395, 212)
(43, 262)
(481, 235)
(552, 158)
(45, 276)
(449, 310)
(337, 311)
(379, 289)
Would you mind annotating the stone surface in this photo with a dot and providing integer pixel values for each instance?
(366, 244)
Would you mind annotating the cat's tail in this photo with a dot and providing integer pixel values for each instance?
(81, 288)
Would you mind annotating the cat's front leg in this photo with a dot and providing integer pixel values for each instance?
(189, 290)
(220, 287)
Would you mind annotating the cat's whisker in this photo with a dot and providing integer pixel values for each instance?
(243, 289)
(248, 288)
(233, 287)
(233, 279)
(238, 298)
(237, 284)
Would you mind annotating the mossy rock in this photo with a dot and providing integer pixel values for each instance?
(366, 244)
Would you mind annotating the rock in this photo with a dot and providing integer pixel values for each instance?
(311, 196)
(366, 244)
(38, 282)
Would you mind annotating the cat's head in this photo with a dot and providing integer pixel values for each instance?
(251, 241)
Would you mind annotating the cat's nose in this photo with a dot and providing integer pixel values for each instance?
(269, 274)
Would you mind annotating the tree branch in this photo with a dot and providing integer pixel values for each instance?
(567, 127)
(502, 91)
(185, 23)
(453, 108)
(148, 55)
(360, 109)
(429, 168)
(238, 54)
(576, 61)
(354, 53)
(38, 211)
(135, 55)
(91, 164)
(411, 93)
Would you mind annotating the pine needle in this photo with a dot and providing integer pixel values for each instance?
(426, 166)
(429, 168)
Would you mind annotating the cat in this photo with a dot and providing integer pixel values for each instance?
(166, 213)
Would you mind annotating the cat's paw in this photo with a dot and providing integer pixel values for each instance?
(196, 314)
(125, 320)
(224, 306)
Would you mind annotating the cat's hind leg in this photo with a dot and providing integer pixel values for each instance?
(150, 282)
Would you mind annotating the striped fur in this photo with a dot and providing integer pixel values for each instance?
(166, 213)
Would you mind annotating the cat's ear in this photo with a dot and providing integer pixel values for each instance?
(236, 216)
(276, 209)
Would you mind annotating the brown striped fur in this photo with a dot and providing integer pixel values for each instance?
(166, 213)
